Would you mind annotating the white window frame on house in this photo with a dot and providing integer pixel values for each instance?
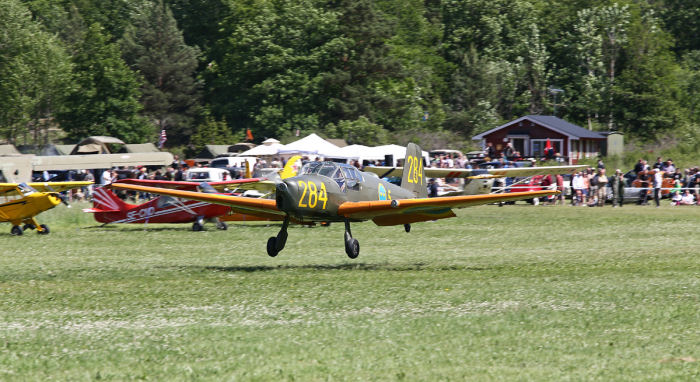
(544, 143)
(526, 144)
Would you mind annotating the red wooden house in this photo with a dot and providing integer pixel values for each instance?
(529, 136)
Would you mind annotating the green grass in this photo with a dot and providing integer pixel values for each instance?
(512, 293)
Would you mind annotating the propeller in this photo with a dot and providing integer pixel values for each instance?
(64, 200)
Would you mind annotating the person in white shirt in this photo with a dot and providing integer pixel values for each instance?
(687, 199)
(106, 177)
(577, 185)
(658, 182)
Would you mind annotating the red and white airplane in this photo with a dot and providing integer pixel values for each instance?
(109, 208)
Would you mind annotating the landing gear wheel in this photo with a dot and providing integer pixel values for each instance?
(16, 230)
(407, 227)
(44, 230)
(352, 248)
(276, 243)
(28, 226)
(221, 225)
(272, 247)
(196, 226)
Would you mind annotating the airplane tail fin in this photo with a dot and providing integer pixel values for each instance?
(104, 200)
(413, 176)
(291, 168)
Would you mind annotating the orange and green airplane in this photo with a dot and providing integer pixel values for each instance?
(336, 192)
(23, 201)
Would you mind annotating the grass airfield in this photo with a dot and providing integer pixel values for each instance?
(512, 293)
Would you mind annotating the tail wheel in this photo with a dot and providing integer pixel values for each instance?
(16, 230)
(352, 248)
(44, 230)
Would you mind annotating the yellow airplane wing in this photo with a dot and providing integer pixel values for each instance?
(251, 206)
(57, 186)
(466, 173)
(9, 189)
(406, 211)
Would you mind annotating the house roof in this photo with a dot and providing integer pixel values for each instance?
(553, 123)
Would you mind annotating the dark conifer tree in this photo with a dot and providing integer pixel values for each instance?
(154, 46)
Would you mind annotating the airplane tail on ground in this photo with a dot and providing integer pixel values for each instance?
(104, 200)
(413, 175)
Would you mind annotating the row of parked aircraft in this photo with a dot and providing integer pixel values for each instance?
(322, 192)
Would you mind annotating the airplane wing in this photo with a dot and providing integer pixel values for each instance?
(57, 186)
(405, 211)
(261, 184)
(7, 189)
(265, 208)
(466, 173)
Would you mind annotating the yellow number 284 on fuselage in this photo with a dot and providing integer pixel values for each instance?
(23, 201)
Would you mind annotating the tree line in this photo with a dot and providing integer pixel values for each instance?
(369, 71)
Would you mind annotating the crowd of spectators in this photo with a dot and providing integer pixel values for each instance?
(590, 187)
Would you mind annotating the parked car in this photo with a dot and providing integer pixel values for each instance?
(228, 162)
(207, 174)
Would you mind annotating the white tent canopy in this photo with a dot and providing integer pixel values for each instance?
(311, 144)
(377, 153)
(263, 150)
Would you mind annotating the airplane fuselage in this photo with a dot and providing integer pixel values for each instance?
(18, 210)
(162, 209)
(315, 197)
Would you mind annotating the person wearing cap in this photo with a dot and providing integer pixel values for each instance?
(618, 188)
(602, 183)
(432, 188)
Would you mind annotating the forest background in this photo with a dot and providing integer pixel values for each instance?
(370, 71)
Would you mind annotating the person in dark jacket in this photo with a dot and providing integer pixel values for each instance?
(432, 188)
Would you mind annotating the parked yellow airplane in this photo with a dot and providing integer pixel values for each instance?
(23, 201)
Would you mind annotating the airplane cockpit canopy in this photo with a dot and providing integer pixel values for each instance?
(339, 172)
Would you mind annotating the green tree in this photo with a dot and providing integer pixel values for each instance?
(360, 131)
(105, 99)
(613, 21)
(211, 132)
(647, 91)
(369, 82)
(35, 71)
(587, 44)
(268, 71)
(155, 47)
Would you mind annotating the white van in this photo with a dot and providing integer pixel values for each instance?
(207, 174)
(226, 162)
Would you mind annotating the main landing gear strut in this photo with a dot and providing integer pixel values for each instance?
(352, 246)
(276, 244)
(41, 229)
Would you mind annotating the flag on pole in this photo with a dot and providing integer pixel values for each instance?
(162, 139)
